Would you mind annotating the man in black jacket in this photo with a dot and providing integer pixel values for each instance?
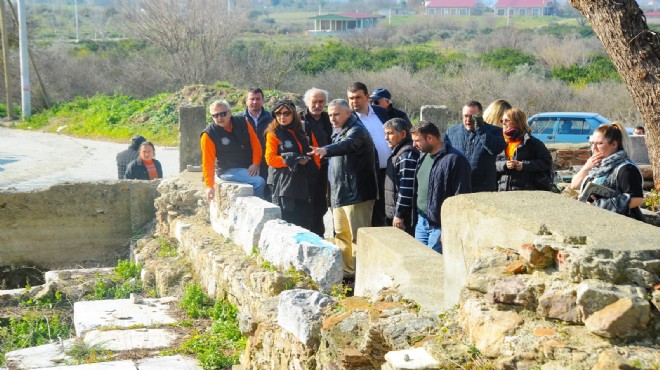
(319, 131)
(353, 187)
(400, 175)
(441, 173)
(382, 98)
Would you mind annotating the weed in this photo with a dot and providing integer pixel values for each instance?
(32, 330)
(48, 301)
(195, 302)
(82, 353)
(340, 291)
(167, 247)
(652, 200)
(125, 281)
(268, 266)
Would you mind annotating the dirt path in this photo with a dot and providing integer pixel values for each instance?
(35, 160)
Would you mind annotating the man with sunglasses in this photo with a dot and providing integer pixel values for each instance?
(231, 147)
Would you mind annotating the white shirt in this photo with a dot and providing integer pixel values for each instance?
(375, 127)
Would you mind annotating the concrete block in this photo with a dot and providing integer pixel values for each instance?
(239, 216)
(192, 121)
(47, 355)
(414, 358)
(299, 312)
(286, 245)
(436, 114)
(595, 247)
(126, 340)
(113, 365)
(640, 153)
(387, 257)
(168, 362)
(89, 315)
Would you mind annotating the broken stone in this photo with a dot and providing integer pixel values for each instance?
(487, 327)
(538, 256)
(515, 267)
(559, 304)
(299, 312)
(623, 318)
(655, 299)
(519, 290)
(416, 358)
(594, 295)
(609, 359)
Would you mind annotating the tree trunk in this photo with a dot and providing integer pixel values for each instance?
(635, 51)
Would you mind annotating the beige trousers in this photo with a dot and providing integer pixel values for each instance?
(347, 220)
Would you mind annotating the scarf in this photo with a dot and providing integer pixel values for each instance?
(600, 173)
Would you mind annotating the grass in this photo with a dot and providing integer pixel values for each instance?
(125, 281)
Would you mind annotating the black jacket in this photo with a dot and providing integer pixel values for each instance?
(537, 165)
(481, 148)
(136, 170)
(353, 170)
(397, 113)
(450, 175)
(263, 121)
(321, 130)
(295, 180)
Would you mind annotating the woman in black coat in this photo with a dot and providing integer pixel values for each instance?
(525, 164)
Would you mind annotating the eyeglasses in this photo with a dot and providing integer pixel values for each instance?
(220, 114)
(600, 143)
(506, 120)
(283, 113)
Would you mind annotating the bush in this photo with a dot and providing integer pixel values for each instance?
(507, 59)
(598, 70)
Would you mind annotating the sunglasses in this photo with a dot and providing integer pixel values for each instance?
(220, 114)
(283, 113)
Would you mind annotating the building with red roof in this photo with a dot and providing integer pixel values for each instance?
(454, 7)
(526, 7)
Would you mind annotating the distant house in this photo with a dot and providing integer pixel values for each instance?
(652, 17)
(454, 7)
(526, 7)
(344, 22)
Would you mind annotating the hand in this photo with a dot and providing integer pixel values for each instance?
(253, 170)
(303, 161)
(593, 161)
(398, 223)
(518, 166)
(510, 164)
(210, 194)
(321, 152)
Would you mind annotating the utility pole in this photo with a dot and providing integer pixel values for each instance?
(25, 62)
(5, 60)
(75, 9)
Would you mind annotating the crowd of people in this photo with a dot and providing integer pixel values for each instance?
(365, 160)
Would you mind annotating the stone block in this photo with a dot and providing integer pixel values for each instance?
(192, 121)
(623, 318)
(415, 358)
(594, 295)
(387, 257)
(640, 153)
(44, 356)
(237, 215)
(127, 340)
(486, 327)
(168, 362)
(518, 290)
(286, 245)
(299, 312)
(473, 224)
(559, 304)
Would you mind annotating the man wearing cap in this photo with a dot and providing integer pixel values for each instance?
(230, 149)
(372, 117)
(129, 155)
(382, 98)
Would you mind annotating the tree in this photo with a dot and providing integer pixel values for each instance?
(635, 51)
(192, 33)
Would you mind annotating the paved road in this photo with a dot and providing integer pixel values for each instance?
(35, 160)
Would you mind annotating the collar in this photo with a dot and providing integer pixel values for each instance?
(369, 112)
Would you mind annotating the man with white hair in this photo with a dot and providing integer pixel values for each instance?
(319, 131)
(230, 149)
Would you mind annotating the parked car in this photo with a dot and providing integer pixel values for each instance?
(565, 127)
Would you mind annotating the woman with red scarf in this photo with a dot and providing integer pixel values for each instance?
(525, 164)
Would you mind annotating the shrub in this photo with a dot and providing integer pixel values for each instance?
(506, 59)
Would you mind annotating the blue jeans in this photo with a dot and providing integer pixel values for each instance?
(427, 234)
(241, 175)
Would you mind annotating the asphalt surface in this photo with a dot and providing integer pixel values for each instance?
(32, 160)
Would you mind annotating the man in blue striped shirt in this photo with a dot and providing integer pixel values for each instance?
(400, 175)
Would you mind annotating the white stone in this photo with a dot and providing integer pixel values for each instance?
(125, 340)
(287, 245)
(299, 312)
(89, 315)
(414, 358)
(239, 216)
(177, 362)
(46, 355)
(113, 365)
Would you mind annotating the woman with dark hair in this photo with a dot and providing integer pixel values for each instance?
(525, 164)
(146, 167)
(291, 172)
(610, 167)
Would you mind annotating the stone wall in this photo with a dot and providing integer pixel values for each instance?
(83, 224)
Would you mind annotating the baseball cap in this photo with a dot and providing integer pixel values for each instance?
(380, 93)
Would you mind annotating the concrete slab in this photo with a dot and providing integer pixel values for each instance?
(121, 313)
(112, 365)
(46, 355)
(125, 340)
(387, 257)
(177, 362)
